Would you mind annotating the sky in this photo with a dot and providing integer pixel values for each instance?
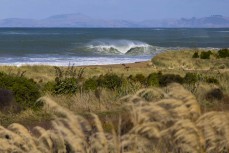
(135, 10)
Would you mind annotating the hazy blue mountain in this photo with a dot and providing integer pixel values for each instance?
(212, 21)
(80, 20)
(17, 22)
(70, 20)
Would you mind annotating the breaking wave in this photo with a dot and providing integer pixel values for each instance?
(128, 47)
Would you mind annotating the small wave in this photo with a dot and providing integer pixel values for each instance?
(200, 37)
(223, 31)
(13, 33)
(158, 29)
(110, 46)
(26, 33)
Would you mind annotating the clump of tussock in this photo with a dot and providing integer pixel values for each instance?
(177, 123)
(164, 107)
(179, 92)
(215, 129)
(166, 112)
(13, 142)
(151, 94)
(167, 121)
(142, 138)
(183, 136)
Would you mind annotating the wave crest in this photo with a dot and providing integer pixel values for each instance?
(130, 47)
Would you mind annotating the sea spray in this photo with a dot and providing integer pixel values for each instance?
(88, 46)
(121, 46)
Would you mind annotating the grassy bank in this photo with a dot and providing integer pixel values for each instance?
(100, 90)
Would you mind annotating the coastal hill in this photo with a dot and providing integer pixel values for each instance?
(80, 20)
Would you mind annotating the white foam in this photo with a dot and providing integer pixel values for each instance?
(122, 46)
(77, 61)
(158, 29)
(223, 31)
(27, 33)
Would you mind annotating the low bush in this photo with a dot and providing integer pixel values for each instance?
(90, 84)
(153, 79)
(49, 86)
(212, 80)
(110, 81)
(205, 55)
(140, 78)
(223, 53)
(166, 79)
(191, 78)
(195, 55)
(26, 91)
(67, 81)
(66, 86)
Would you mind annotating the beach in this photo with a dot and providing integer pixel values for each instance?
(100, 46)
(116, 90)
(173, 87)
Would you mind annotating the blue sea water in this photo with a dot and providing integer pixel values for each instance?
(96, 46)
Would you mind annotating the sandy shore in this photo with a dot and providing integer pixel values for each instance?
(141, 64)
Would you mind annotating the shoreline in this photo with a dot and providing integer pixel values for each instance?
(177, 62)
(103, 61)
(119, 65)
(77, 64)
(134, 64)
(45, 73)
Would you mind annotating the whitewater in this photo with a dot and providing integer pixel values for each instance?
(99, 46)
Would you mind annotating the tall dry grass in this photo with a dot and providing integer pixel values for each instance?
(164, 120)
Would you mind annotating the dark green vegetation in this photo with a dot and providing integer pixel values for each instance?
(222, 53)
(195, 55)
(205, 55)
(24, 91)
(97, 90)
(72, 84)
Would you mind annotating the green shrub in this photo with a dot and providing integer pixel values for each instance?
(68, 80)
(110, 81)
(205, 55)
(153, 79)
(140, 78)
(49, 87)
(66, 86)
(223, 53)
(90, 84)
(26, 91)
(166, 79)
(212, 80)
(191, 78)
(195, 55)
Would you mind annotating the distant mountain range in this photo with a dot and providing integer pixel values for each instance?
(80, 20)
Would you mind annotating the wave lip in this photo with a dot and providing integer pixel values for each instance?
(121, 46)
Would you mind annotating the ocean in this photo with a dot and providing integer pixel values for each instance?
(98, 46)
